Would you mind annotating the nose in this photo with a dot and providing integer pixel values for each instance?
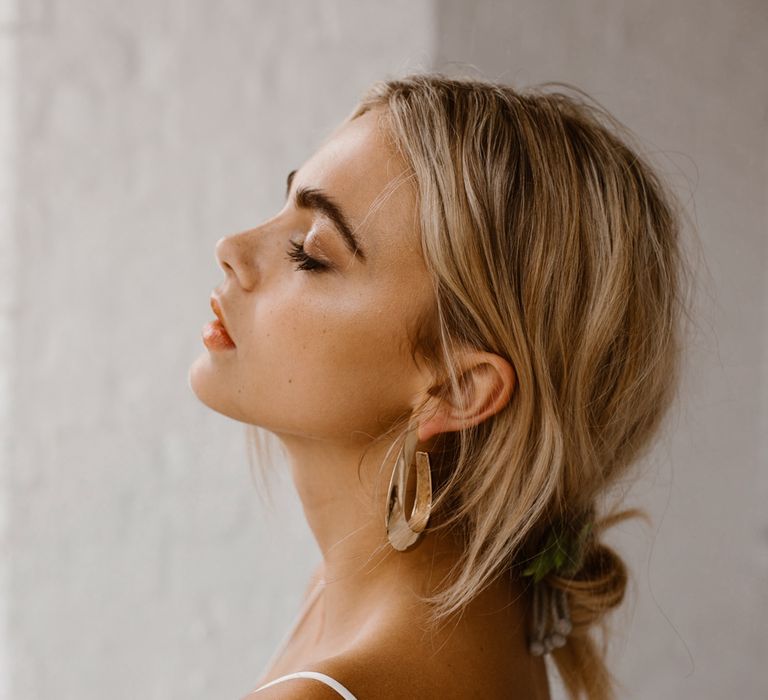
(233, 256)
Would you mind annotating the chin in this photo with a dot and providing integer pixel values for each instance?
(195, 381)
(207, 385)
(199, 380)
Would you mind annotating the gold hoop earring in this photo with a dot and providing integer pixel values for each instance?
(401, 531)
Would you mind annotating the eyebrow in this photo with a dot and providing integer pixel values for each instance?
(317, 200)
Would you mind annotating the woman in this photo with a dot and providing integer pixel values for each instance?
(463, 327)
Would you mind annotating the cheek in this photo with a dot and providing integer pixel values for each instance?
(327, 370)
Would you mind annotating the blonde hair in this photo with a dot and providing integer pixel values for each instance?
(551, 242)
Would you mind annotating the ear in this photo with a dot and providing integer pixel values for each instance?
(487, 381)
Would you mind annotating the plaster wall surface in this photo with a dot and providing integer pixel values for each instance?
(140, 562)
(8, 18)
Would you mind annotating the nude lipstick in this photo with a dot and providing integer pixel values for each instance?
(215, 336)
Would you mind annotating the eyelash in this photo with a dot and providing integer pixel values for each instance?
(297, 254)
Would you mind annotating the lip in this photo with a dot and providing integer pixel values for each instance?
(216, 307)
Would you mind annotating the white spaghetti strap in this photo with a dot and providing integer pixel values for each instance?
(316, 675)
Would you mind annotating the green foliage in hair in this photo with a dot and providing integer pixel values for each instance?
(562, 553)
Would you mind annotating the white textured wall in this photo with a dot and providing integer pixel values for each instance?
(689, 78)
(139, 560)
(8, 19)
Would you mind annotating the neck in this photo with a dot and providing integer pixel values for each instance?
(343, 490)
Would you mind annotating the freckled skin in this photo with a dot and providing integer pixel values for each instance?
(348, 322)
(323, 362)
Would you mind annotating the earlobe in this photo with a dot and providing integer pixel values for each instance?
(439, 423)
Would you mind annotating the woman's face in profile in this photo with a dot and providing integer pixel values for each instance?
(321, 346)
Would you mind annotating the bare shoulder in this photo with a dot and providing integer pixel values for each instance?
(392, 668)
(381, 671)
(458, 662)
(395, 657)
(363, 672)
(358, 670)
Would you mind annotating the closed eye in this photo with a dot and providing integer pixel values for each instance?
(306, 262)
